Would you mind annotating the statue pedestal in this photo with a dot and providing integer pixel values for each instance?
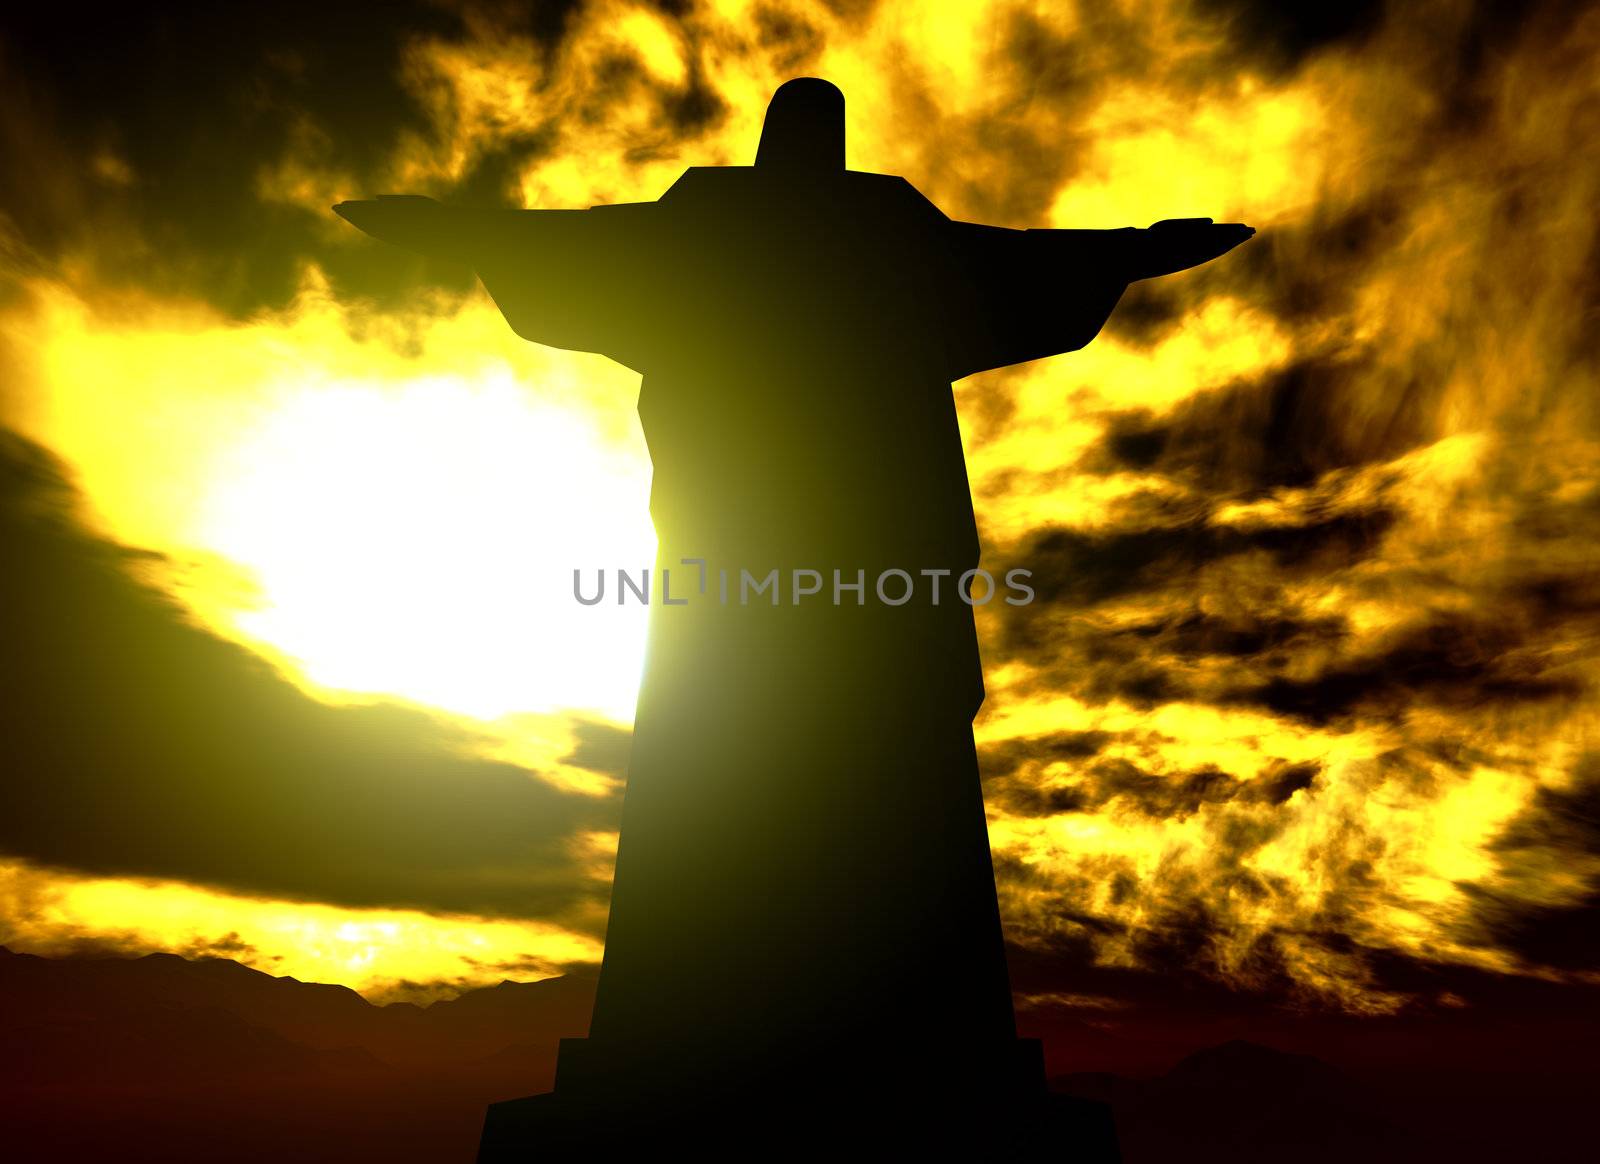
(805, 1117)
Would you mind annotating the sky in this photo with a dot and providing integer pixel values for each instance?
(1304, 715)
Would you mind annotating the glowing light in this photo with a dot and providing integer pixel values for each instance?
(419, 539)
(369, 950)
(392, 524)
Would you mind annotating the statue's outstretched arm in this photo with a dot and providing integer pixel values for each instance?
(566, 278)
(1026, 294)
(1170, 246)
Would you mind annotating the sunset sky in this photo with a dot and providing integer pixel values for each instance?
(1305, 712)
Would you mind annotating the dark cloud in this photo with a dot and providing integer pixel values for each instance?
(1463, 662)
(1551, 601)
(138, 744)
(1283, 35)
(194, 101)
(1243, 636)
(1479, 39)
(1068, 957)
(544, 22)
(1176, 951)
(1081, 568)
(1004, 757)
(1444, 1053)
(229, 945)
(1095, 667)
(1286, 429)
(1310, 270)
(1561, 824)
(1182, 794)
(1158, 794)
(1189, 654)
(143, 134)
(1282, 780)
(1146, 313)
(600, 747)
(1092, 783)
(1029, 798)
(1178, 980)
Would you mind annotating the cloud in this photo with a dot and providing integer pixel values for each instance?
(1557, 837)
(600, 747)
(1458, 663)
(139, 745)
(194, 150)
(141, 143)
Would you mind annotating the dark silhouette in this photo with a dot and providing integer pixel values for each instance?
(1249, 1102)
(165, 1059)
(804, 949)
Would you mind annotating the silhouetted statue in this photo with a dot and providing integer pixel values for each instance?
(804, 949)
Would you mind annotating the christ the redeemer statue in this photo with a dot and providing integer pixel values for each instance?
(804, 952)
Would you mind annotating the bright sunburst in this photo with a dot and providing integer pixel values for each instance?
(419, 538)
(398, 519)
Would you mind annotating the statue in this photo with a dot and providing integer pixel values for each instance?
(804, 951)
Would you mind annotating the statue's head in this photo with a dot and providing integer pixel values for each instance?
(804, 130)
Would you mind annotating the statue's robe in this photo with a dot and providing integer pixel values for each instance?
(804, 895)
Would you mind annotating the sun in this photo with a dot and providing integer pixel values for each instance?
(389, 516)
(419, 539)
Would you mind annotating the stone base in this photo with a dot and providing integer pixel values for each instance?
(817, 1125)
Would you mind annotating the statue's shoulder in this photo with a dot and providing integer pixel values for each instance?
(893, 192)
(702, 181)
(708, 185)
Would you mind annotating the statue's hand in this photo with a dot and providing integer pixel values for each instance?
(411, 221)
(1176, 244)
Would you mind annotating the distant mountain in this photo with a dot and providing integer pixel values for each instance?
(163, 1058)
(320, 1016)
(1242, 1102)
